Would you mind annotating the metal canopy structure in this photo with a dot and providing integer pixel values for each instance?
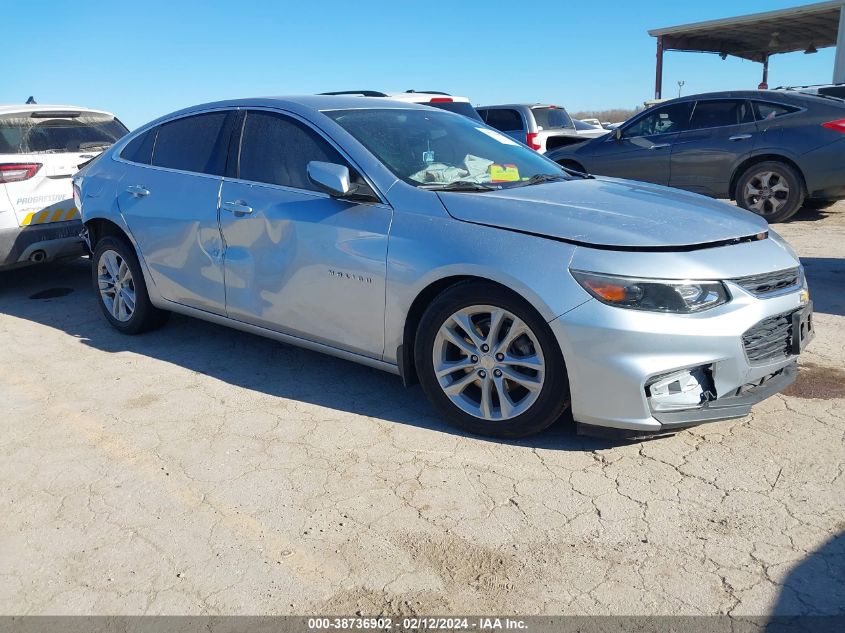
(757, 37)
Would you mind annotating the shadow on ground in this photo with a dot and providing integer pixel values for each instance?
(826, 278)
(815, 587)
(60, 296)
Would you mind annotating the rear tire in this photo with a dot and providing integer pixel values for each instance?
(771, 189)
(489, 363)
(120, 288)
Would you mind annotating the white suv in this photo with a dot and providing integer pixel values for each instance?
(41, 148)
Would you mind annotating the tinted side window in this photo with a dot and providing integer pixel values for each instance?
(709, 114)
(768, 111)
(662, 120)
(504, 120)
(277, 149)
(140, 148)
(194, 143)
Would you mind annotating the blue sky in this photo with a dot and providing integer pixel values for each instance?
(146, 58)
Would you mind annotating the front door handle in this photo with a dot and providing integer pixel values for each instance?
(660, 146)
(138, 191)
(740, 137)
(237, 207)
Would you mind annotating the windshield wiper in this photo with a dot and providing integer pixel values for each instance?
(95, 145)
(459, 185)
(537, 179)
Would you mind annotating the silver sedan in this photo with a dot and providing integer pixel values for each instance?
(428, 245)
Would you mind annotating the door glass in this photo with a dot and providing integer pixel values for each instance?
(140, 148)
(769, 111)
(663, 120)
(277, 149)
(194, 143)
(722, 113)
(504, 120)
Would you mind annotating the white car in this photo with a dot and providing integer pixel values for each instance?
(433, 98)
(41, 148)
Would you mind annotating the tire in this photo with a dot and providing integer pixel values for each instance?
(814, 204)
(115, 259)
(779, 191)
(534, 398)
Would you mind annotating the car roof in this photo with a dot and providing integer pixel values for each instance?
(300, 103)
(524, 105)
(761, 95)
(21, 108)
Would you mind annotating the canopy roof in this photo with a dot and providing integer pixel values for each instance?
(759, 35)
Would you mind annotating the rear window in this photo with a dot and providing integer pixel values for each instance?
(503, 119)
(551, 118)
(458, 107)
(57, 132)
(194, 143)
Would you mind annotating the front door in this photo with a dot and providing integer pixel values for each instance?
(644, 150)
(171, 209)
(297, 260)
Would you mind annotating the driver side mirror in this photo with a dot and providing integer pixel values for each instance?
(336, 181)
(330, 177)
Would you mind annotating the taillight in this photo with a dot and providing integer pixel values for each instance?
(77, 197)
(837, 126)
(14, 172)
(531, 141)
(441, 100)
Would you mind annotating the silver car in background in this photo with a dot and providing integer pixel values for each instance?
(428, 245)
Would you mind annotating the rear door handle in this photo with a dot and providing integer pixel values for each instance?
(660, 146)
(237, 207)
(138, 191)
(740, 137)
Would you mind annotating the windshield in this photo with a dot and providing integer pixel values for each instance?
(46, 132)
(431, 149)
(551, 118)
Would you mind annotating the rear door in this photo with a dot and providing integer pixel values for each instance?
(721, 134)
(40, 151)
(645, 149)
(169, 197)
(297, 260)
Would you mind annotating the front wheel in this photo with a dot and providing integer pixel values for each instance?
(489, 363)
(770, 189)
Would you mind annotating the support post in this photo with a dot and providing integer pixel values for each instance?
(839, 60)
(658, 78)
(764, 85)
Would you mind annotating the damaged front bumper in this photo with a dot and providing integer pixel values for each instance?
(648, 373)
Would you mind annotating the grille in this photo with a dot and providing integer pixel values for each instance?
(770, 282)
(770, 339)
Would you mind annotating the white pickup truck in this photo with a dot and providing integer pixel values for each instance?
(41, 148)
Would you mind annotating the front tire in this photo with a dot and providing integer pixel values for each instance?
(489, 363)
(771, 189)
(121, 290)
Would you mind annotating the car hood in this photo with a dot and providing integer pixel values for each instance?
(608, 213)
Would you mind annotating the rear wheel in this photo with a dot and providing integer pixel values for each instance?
(489, 363)
(121, 290)
(771, 189)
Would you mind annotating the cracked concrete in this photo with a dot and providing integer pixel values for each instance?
(199, 470)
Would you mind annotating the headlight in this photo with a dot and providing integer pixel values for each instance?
(657, 295)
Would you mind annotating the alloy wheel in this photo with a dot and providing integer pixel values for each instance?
(488, 362)
(766, 192)
(117, 288)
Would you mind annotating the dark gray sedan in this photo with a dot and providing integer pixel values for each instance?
(771, 151)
